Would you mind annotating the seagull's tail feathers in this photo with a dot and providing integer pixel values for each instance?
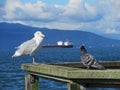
(16, 54)
(98, 66)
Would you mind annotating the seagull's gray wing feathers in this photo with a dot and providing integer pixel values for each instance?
(26, 47)
(30, 47)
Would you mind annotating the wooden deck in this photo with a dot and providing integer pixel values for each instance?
(77, 77)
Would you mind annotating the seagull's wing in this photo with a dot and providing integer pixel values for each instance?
(26, 48)
(37, 46)
(23, 44)
(29, 46)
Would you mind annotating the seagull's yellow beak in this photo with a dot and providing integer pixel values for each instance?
(43, 35)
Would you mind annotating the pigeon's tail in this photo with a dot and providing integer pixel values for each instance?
(98, 66)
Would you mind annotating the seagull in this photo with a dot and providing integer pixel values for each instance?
(88, 60)
(30, 47)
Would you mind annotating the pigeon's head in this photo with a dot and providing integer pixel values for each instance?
(82, 48)
(39, 34)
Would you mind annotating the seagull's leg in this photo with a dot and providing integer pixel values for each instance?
(33, 58)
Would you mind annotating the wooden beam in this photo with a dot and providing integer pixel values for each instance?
(31, 82)
(75, 86)
(64, 80)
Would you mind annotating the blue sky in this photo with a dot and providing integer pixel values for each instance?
(61, 2)
(98, 16)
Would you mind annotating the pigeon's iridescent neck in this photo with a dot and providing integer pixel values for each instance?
(83, 51)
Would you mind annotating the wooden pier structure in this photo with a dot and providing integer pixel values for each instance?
(74, 74)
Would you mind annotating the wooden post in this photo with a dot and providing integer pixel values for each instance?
(75, 86)
(31, 82)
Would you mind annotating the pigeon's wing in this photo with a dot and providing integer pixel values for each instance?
(88, 59)
(97, 65)
(91, 61)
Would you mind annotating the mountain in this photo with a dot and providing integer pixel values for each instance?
(12, 35)
(114, 36)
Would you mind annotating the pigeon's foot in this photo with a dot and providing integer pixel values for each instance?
(88, 68)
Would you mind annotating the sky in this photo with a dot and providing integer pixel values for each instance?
(98, 16)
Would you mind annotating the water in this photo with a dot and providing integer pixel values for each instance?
(12, 77)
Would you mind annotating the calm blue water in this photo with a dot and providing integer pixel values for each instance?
(12, 77)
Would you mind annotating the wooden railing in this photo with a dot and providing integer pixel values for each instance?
(74, 74)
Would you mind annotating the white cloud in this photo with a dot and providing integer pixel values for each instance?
(75, 10)
(10, 6)
(80, 11)
(16, 10)
(112, 31)
(102, 17)
(110, 9)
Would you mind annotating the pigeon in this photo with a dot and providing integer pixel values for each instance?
(30, 47)
(88, 60)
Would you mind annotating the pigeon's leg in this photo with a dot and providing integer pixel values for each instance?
(88, 68)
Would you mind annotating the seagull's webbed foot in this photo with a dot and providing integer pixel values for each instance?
(33, 58)
(34, 63)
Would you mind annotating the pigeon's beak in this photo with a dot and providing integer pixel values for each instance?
(80, 47)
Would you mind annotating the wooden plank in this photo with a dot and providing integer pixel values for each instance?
(95, 74)
(107, 64)
(48, 69)
(73, 73)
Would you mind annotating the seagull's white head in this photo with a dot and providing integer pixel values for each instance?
(39, 34)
